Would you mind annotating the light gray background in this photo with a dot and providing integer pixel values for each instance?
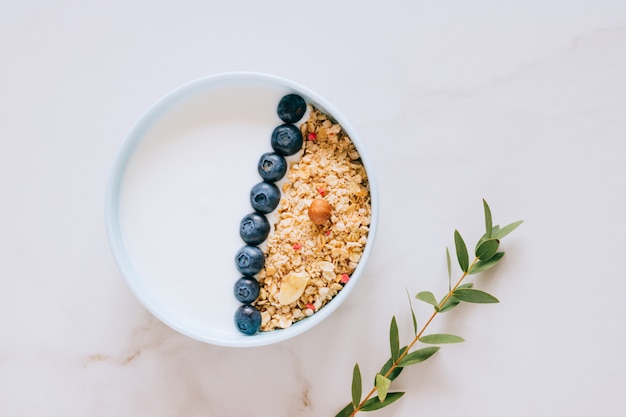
(521, 103)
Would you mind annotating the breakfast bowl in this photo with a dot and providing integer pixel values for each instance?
(238, 215)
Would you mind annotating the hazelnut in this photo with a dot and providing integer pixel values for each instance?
(320, 211)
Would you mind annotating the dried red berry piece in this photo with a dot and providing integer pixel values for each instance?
(297, 246)
(344, 278)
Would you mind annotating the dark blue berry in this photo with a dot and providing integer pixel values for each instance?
(249, 260)
(286, 139)
(272, 167)
(254, 228)
(247, 289)
(248, 319)
(291, 108)
(264, 197)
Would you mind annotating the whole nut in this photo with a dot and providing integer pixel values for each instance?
(320, 211)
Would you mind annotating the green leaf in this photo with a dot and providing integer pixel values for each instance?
(394, 339)
(436, 339)
(412, 313)
(452, 301)
(387, 366)
(374, 404)
(382, 386)
(449, 269)
(450, 304)
(487, 249)
(461, 251)
(471, 295)
(427, 297)
(485, 265)
(418, 356)
(497, 233)
(488, 220)
(357, 386)
(346, 411)
(500, 233)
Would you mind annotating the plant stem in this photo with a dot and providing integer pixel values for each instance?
(394, 365)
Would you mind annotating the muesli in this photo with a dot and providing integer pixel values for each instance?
(321, 228)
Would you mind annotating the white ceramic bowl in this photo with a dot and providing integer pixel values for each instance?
(178, 189)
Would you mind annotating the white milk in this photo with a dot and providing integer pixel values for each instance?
(184, 192)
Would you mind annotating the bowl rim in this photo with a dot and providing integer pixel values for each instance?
(125, 152)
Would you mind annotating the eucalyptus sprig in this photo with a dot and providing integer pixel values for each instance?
(486, 256)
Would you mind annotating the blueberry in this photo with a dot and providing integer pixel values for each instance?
(247, 289)
(248, 319)
(272, 167)
(254, 228)
(264, 197)
(286, 139)
(249, 260)
(291, 108)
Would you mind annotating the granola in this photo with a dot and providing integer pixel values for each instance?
(307, 264)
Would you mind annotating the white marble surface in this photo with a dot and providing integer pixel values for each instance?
(522, 103)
